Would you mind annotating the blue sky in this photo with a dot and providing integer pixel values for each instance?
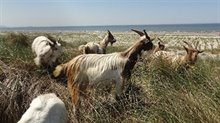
(107, 12)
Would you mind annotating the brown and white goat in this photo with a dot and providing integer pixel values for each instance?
(156, 48)
(95, 70)
(147, 55)
(187, 60)
(98, 48)
(159, 47)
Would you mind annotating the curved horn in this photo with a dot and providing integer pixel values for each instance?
(159, 39)
(196, 44)
(138, 32)
(147, 35)
(188, 44)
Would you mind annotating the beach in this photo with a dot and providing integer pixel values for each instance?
(208, 41)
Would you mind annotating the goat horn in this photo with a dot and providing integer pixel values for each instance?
(188, 44)
(159, 39)
(147, 35)
(138, 32)
(197, 44)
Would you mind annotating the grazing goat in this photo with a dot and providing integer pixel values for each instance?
(94, 70)
(159, 47)
(98, 48)
(47, 50)
(47, 108)
(187, 60)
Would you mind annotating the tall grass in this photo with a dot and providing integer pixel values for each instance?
(17, 54)
(184, 95)
(155, 93)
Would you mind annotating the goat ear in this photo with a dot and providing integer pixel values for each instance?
(200, 51)
(138, 32)
(109, 33)
(159, 43)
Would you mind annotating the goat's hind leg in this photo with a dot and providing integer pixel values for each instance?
(119, 89)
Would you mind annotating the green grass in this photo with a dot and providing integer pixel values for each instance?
(184, 96)
(156, 93)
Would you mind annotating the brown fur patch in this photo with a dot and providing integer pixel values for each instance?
(132, 54)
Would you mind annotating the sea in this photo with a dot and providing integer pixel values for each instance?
(212, 27)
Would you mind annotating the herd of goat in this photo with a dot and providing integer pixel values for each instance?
(94, 69)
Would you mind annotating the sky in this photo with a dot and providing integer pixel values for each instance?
(21, 13)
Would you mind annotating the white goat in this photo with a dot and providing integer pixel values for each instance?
(47, 108)
(47, 51)
(98, 48)
(175, 60)
(94, 70)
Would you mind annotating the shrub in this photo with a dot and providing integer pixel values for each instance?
(16, 38)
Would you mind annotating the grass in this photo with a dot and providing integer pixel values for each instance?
(155, 93)
(185, 96)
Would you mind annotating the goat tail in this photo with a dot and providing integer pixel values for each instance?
(58, 70)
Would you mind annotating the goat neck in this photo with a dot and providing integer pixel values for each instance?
(104, 42)
(133, 53)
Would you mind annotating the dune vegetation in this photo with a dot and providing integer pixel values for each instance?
(155, 93)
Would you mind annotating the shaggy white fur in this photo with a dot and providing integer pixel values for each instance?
(175, 60)
(47, 108)
(95, 70)
(97, 48)
(47, 52)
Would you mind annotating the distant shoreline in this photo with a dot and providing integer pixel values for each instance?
(212, 27)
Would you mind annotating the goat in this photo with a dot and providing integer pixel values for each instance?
(187, 60)
(98, 48)
(47, 50)
(46, 108)
(159, 47)
(147, 55)
(94, 70)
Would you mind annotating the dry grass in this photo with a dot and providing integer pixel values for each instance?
(155, 93)
(17, 39)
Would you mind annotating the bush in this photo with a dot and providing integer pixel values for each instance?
(16, 38)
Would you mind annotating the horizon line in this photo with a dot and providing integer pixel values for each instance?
(105, 25)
